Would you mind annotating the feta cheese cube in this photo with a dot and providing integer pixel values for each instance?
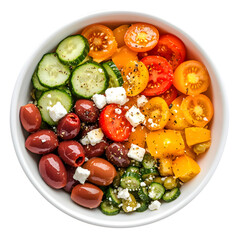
(123, 193)
(81, 174)
(155, 205)
(99, 100)
(141, 101)
(116, 95)
(136, 152)
(134, 116)
(57, 112)
(95, 136)
(85, 140)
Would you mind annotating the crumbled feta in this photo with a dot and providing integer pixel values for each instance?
(57, 112)
(136, 152)
(138, 205)
(81, 174)
(129, 209)
(150, 120)
(151, 194)
(123, 193)
(143, 184)
(99, 100)
(116, 95)
(155, 205)
(141, 101)
(95, 136)
(118, 111)
(85, 140)
(134, 116)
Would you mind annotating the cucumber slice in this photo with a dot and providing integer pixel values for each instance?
(147, 172)
(37, 84)
(112, 197)
(135, 163)
(49, 99)
(143, 194)
(171, 195)
(73, 49)
(143, 207)
(130, 180)
(51, 72)
(88, 79)
(108, 208)
(156, 191)
(133, 169)
(115, 77)
(148, 161)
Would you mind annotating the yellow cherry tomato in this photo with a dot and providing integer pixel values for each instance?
(119, 33)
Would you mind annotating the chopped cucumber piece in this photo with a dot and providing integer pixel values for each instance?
(112, 197)
(143, 207)
(156, 191)
(149, 172)
(37, 84)
(133, 169)
(51, 72)
(73, 49)
(171, 195)
(108, 208)
(143, 194)
(130, 180)
(148, 161)
(49, 99)
(135, 163)
(115, 77)
(88, 79)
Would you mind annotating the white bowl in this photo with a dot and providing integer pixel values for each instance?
(61, 199)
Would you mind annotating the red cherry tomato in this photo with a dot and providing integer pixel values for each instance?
(87, 195)
(72, 153)
(52, 171)
(169, 95)
(42, 142)
(160, 75)
(30, 117)
(115, 126)
(68, 127)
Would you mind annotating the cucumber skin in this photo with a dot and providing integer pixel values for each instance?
(102, 208)
(38, 85)
(51, 88)
(80, 58)
(177, 194)
(111, 199)
(106, 83)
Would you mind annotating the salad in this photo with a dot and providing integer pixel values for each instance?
(119, 117)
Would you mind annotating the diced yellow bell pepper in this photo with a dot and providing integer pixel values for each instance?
(165, 167)
(195, 135)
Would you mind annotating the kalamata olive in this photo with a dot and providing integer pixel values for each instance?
(96, 150)
(72, 153)
(116, 153)
(87, 195)
(71, 182)
(102, 172)
(42, 142)
(53, 171)
(68, 127)
(30, 117)
(88, 128)
(86, 110)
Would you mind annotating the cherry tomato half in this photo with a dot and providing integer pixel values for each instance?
(160, 75)
(101, 40)
(169, 95)
(141, 37)
(114, 125)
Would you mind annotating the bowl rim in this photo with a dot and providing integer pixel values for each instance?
(109, 223)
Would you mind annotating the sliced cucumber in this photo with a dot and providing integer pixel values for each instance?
(143, 194)
(108, 208)
(88, 79)
(143, 206)
(135, 163)
(133, 169)
(51, 72)
(156, 191)
(112, 197)
(73, 49)
(130, 180)
(115, 77)
(49, 99)
(149, 172)
(171, 195)
(149, 161)
(37, 84)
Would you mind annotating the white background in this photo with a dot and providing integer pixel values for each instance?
(214, 213)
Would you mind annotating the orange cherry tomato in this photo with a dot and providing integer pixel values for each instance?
(135, 78)
(119, 34)
(141, 37)
(156, 113)
(197, 110)
(101, 41)
(191, 78)
(123, 56)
